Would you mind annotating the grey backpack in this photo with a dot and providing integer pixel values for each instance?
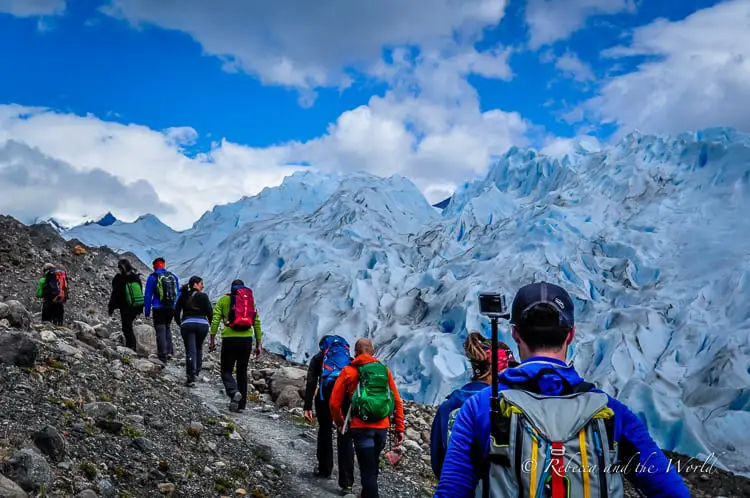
(552, 446)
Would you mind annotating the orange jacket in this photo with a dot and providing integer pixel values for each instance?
(346, 385)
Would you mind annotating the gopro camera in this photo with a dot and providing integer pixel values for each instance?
(492, 304)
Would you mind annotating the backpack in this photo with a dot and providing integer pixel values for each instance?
(241, 309)
(373, 399)
(134, 294)
(556, 446)
(463, 395)
(336, 356)
(166, 289)
(56, 285)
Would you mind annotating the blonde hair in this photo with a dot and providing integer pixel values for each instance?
(475, 346)
(477, 349)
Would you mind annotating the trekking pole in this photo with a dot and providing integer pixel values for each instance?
(494, 399)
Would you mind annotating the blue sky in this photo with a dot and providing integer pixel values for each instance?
(431, 90)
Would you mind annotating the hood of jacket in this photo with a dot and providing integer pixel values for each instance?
(363, 359)
(551, 376)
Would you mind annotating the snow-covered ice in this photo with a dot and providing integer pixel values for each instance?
(651, 237)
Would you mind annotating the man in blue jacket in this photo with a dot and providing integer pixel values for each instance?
(478, 350)
(543, 327)
(161, 294)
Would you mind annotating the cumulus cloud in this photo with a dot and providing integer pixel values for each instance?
(35, 184)
(696, 74)
(146, 160)
(572, 67)
(550, 21)
(307, 45)
(32, 8)
(560, 147)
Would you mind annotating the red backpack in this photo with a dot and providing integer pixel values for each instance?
(241, 309)
(57, 286)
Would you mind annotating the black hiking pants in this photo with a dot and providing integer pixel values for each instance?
(369, 443)
(344, 444)
(127, 316)
(193, 335)
(163, 325)
(235, 352)
(53, 312)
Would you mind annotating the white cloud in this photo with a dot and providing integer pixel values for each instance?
(32, 8)
(34, 184)
(697, 74)
(144, 159)
(306, 45)
(559, 147)
(573, 67)
(550, 21)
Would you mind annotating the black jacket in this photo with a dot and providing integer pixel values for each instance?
(193, 303)
(117, 299)
(313, 379)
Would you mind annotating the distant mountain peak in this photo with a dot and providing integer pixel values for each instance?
(107, 220)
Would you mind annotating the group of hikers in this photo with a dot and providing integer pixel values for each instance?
(532, 427)
(164, 300)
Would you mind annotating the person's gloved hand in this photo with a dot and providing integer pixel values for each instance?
(308, 416)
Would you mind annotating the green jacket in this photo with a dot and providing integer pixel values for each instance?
(221, 315)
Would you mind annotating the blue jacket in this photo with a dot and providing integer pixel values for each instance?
(470, 439)
(438, 440)
(150, 297)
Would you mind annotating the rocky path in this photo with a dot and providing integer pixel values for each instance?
(286, 442)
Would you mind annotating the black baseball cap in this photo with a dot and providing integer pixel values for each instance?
(531, 295)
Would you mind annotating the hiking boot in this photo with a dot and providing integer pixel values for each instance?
(234, 405)
(346, 490)
(190, 383)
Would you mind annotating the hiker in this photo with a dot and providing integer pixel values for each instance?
(192, 314)
(237, 311)
(162, 292)
(325, 367)
(586, 438)
(478, 350)
(127, 296)
(52, 288)
(369, 388)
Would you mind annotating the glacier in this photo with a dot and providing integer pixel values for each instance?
(649, 235)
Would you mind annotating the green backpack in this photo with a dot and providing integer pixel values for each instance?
(373, 399)
(133, 294)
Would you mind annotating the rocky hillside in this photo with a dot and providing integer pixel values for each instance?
(25, 249)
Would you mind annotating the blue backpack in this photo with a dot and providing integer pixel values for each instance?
(335, 351)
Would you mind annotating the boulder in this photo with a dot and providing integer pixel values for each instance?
(101, 409)
(284, 378)
(83, 327)
(50, 442)
(289, 398)
(17, 349)
(29, 470)
(9, 489)
(145, 335)
(17, 315)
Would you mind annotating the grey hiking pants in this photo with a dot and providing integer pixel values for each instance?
(163, 325)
